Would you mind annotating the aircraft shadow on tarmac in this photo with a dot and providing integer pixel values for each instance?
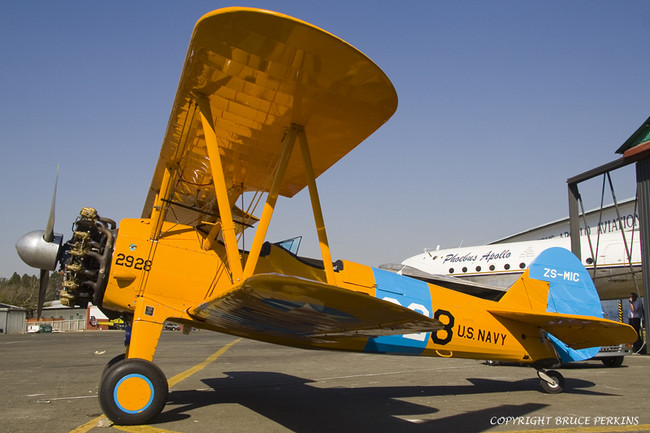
(301, 405)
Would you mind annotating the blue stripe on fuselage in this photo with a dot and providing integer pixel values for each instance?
(409, 293)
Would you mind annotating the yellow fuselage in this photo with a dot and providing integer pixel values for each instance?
(177, 273)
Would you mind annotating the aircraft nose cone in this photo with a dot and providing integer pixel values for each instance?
(37, 252)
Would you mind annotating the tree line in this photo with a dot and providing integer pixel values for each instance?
(22, 291)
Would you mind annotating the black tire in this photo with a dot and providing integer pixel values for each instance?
(613, 361)
(133, 391)
(556, 388)
(113, 361)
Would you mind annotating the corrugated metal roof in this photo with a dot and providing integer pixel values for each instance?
(640, 136)
(11, 307)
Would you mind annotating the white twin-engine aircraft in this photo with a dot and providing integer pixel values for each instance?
(613, 262)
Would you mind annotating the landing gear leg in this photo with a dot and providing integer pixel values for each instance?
(551, 381)
(133, 390)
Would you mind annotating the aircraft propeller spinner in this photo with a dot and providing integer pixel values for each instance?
(40, 249)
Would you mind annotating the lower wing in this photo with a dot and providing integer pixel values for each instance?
(271, 305)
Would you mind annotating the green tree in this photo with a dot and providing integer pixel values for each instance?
(23, 291)
(15, 279)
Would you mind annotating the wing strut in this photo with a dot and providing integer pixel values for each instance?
(296, 131)
(220, 188)
(316, 206)
(269, 206)
(158, 212)
(170, 173)
(239, 272)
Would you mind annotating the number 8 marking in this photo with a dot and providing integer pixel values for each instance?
(447, 328)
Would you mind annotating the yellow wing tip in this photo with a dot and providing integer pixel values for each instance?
(258, 11)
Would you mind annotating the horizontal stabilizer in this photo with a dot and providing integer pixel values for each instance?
(577, 332)
(271, 305)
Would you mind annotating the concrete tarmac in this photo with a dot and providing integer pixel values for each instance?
(49, 383)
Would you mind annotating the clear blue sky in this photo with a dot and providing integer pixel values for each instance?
(500, 102)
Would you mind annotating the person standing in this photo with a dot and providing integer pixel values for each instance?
(634, 319)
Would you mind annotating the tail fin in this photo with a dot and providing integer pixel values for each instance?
(557, 294)
(571, 290)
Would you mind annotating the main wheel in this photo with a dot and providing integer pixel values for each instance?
(133, 391)
(113, 361)
(553, 388)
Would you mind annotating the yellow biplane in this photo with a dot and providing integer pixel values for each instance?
(265, 104)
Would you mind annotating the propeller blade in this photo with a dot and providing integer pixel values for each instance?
(45, 279)
(49, 230)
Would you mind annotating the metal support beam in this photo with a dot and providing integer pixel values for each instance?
(574, 219)
(643, 188)
(574, 197)
(590, 174)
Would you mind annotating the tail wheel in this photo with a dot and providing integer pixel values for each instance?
(133, 391)
(555, 385)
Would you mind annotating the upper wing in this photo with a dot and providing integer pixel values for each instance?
(271, 305)
(261, 72)
(577, 332)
